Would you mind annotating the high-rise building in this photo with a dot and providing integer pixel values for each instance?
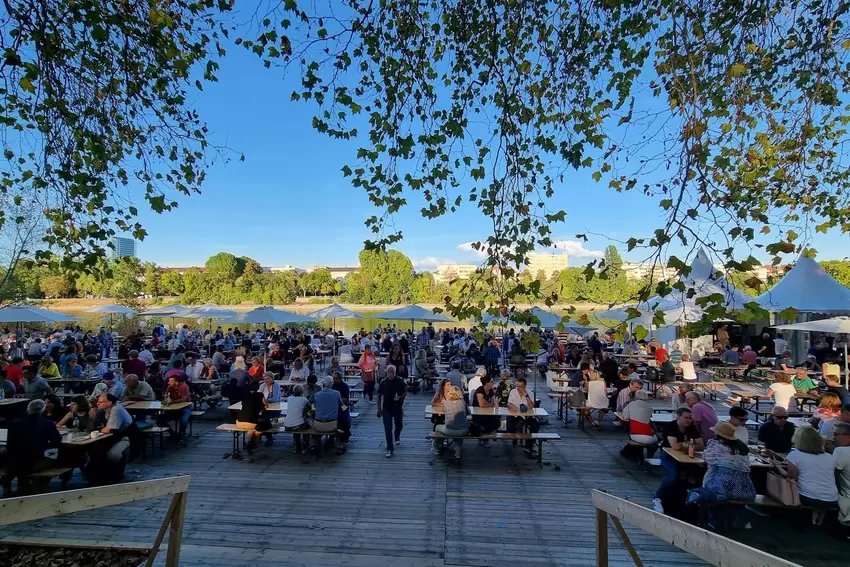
(123, 247)
(546, 263)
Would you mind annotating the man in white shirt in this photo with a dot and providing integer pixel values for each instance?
(520, 400)
(194, 367)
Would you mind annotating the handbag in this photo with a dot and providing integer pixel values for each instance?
(782, 489)
(263, 425)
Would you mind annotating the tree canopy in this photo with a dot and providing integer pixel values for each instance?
(730, 115)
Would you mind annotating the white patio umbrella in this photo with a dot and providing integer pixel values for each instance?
(833, 326)
(266, 315)
(112, 308)
(29, 314)
(334, 312)
(414, 313)
(548, 320)
(208, 311)
(167, 311)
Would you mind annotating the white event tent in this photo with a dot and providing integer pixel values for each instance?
(679, 309)
(808, 289)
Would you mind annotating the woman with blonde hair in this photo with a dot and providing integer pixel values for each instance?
(783, 391)
(597, 397)
(456, 425)
(829, 408)
(814, 470)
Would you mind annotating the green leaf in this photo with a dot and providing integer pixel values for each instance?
(737, 70)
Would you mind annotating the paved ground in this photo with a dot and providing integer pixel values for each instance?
(360, 508)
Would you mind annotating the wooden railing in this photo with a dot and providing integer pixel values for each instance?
(710, 547)
(26, 508)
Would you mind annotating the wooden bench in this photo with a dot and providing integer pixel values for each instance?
(47, 474)
(644, 447)
(236, 431)
(762, 500)
(702, 387)
(539, 438)
(152, 433)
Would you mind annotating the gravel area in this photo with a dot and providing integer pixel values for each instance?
(28, 556)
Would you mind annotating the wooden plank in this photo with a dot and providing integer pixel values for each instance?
(624, 537)
(710, 547)
(22, 509)
(175, 532)
(601, 538)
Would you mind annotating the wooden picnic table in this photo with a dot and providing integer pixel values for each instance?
(502, 412)
(273, 406)
(13, 401)
(756, 461)
(80, 438)
(668, 417)
(156, 406)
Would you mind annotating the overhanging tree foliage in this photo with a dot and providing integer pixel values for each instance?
(95, 114)
(731, 114)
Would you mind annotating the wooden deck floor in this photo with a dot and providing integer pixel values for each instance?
(361, 509)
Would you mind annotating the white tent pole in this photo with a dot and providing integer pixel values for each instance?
(846, 374)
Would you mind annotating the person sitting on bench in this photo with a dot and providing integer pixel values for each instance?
(520, 400)
(485, 397)
(776, 434)
(456, 425)
(28, 438)
(253, 405)
(296, 416)
(638, 414)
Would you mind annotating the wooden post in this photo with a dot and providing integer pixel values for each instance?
(626, 541)
(175, 533)
(601, 538)
(165, 523)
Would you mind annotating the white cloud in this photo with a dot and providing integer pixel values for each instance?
(467, 247)
(576, 249)
(430, 262)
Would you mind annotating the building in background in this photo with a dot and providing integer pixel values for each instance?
(639, 271)
(286, 268)
(546, 263)
(448, 272)
(337, 272)
(123, 247)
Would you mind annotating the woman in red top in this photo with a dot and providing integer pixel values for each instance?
(368, 364)
(256, 371)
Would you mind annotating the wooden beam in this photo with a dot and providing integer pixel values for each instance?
(165, 521)
(710, 547)
(175, 533)
(626, 541)
(601, 538)
(26, 508)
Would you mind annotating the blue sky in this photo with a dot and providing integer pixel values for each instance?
(288, 202)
